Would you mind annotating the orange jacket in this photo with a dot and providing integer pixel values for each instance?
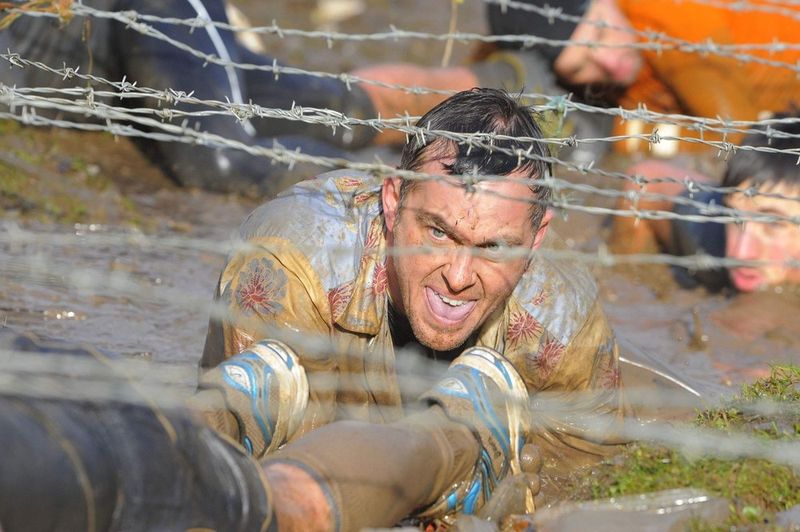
(710, 84)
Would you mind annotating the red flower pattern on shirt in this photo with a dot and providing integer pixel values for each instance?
(540, 298)
(362, 198)
(370, 244)
(261, 288)
(338, 298)
(548, 357)
(522, 326)
(610, 376)
(380, 281)
(348, 184)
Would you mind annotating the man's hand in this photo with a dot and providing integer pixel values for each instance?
(298, 501)
(483, 390)
(515, 494)
(257, 397)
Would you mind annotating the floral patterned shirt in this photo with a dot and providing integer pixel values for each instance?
(310, 270)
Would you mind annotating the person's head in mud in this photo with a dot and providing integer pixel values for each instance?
(476, 239)
(610, 60)
(776, 179)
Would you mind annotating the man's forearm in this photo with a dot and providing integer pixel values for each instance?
(374, 475)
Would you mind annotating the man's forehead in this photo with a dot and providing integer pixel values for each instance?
(768, 195)
(480, 214)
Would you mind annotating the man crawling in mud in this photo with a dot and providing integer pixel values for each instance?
(339, 274)
(765, 187)
(334, 277)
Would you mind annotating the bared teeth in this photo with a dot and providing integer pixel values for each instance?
(451, 312)
(451, 302)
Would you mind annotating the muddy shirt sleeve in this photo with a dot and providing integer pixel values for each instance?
(268, 290)
(575, 387)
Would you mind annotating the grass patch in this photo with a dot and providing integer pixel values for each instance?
(34, 198)
(757, 488)
(44, 179)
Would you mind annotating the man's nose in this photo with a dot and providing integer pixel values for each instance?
(748, 246)
(612, 60)
(459, 273)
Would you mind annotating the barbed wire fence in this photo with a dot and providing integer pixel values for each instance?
(31, 253)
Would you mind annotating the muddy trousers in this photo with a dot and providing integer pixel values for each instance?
(85, 466)
(121, 463)
(111, 466)
(85, 450)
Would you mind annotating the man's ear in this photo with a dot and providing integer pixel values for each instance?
(542, 231)
(390, 199)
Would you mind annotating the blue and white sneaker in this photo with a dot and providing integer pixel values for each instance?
(484, 391)
(265, 390)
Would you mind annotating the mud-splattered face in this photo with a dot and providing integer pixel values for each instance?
(602, 24)
(448, 291)
(775, 242)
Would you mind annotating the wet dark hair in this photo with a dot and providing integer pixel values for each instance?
(767, 168)
(481, 110)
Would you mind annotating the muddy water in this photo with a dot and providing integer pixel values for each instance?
(148, 296)
(119, 291)
(372, 16)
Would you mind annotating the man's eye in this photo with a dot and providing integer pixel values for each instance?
(438, 233)
(778, 227)
(496, 248)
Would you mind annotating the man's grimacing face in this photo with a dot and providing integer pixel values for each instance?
(447, 294)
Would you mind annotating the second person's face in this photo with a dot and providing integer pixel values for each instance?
(773, 243)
